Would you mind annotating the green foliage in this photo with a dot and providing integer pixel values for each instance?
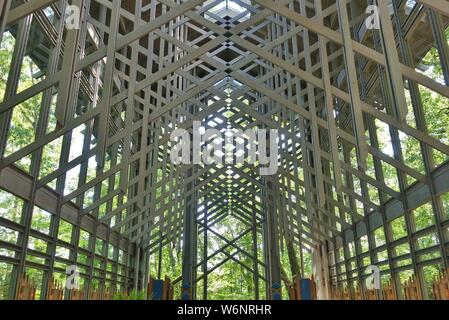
(134, 295)
(119, 296)
(5, 275)
(424, 216)
(137, 295)
(6, 50)
(398, 228)
(430, 274)
(10, 207)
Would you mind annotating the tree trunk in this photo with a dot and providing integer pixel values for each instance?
(285, 278)
(294, 264)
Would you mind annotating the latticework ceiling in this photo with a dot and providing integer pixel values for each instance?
(118, 86)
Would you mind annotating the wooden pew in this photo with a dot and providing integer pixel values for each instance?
(55, 291)
(76, 294)
(412, 289)
(357, 293)
(371, 295)
(26, 289)
(94, 294)
(341, 294)
(441, 286)
(107, 294)
(168, 290)
(389, 292)
(386, 293)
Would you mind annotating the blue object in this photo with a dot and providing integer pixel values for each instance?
(276, 291)
(306, 289)
(158, 286)
(185, 292)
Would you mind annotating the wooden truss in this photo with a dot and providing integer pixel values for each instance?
(135, 71)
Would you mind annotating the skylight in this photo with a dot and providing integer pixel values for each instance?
(228, 8)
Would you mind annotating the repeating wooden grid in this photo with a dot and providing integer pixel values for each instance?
(156, 100)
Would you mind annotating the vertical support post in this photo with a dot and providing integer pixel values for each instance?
(321, 272)
(145, 269)
(136, 268)
(205, 244)
(4, 8)
(63, 106)
(159, 262)
(272, 247)
(353, 87)
(187, 259)
(256, 257)
(441, 42)
(396, 82)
